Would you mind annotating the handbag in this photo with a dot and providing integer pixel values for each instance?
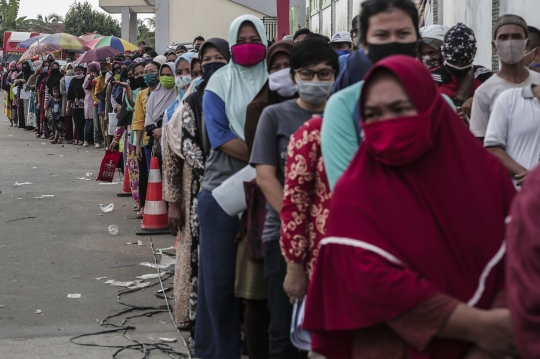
(108, 166)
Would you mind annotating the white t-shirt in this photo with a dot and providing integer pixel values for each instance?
(514, 125)
(486, 95)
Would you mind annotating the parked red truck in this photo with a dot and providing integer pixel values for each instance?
(10, 50)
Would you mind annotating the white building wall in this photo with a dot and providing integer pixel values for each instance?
(356, 5)
(528, 9)
(476, 15)
(342, 8)
(327, 22)
(314, 23)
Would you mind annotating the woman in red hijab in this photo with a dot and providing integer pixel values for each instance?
(523, 233)
(413, 259)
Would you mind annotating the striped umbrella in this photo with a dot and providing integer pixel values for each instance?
(89, 37)
(26, 43)
(112, 41)
(39, 50)
(65, 41)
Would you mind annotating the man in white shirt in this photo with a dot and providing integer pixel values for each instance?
(511, 42)
(513, 132)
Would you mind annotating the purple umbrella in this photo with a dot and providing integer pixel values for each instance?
(97, 54)
(26, 43)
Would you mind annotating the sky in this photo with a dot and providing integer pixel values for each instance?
(31, 8)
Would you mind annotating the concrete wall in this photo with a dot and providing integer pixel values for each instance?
(528, 9)
(476, 14)
(327, 22)
(342, 8)
(185, 18)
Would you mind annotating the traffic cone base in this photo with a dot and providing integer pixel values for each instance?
(155, 218)
(126, 190)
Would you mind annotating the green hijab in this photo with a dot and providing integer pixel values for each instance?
(237, 85)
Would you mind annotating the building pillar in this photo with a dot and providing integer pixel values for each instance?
(125, 23)
(132, 29)
(283, 25)
(162, 25)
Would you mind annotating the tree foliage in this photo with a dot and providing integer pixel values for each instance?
(9, 10)
(146, 33)
(82, 19)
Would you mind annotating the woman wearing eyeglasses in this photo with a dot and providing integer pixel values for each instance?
(313, 64)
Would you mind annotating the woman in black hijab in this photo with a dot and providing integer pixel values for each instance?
(52, 82)
(26, 71)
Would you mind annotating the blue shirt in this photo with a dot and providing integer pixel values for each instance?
(215, 117)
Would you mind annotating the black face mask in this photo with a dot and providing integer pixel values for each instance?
(133, 83)
(124, 74)
(210, 68)
(197, 48)
(25, 69)
(379, 52)
(140, 82)
(55, 71)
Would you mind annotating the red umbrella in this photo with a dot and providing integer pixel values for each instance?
(97, 54)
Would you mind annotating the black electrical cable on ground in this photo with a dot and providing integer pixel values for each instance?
(144, 348)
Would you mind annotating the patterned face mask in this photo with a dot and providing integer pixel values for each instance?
(431, 62)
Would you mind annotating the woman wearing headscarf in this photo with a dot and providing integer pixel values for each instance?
(68, 122)
(76, 103)
(52, 82)
(159, 101)
(227, 95)
(33, 112)
(41, 92)
(27, 70)
(185, 159)
(413, 261)
(92, 73)
(12, 99)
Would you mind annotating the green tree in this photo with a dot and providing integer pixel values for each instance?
(9, 10)
(82, 19)
(51, 19)
(145, 33)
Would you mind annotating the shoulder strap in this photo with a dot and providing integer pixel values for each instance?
(465, 88)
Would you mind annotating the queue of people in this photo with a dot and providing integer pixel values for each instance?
(378, 170)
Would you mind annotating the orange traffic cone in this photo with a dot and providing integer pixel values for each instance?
(155, 218)
(126, 190)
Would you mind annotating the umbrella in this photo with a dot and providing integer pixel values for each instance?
(26, 43)
(112, 41)
(65, 41)
(38, 50)
(97, 54)
(89, 37)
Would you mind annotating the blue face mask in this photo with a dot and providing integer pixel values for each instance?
(150, 79)
(343, 52)
(46, 68)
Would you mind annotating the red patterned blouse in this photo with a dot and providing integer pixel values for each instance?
(307, 197)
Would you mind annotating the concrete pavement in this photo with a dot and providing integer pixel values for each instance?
(62, 249)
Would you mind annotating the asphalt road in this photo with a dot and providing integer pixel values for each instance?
(62, 249)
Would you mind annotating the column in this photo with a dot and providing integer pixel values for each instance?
(125, 23)
(162, 25)
(132, 29)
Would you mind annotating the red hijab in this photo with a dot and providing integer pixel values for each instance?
(523, 263)
(429, 220)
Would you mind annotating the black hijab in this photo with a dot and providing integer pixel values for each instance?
(55, 77)
(26, 71)
(196, 98)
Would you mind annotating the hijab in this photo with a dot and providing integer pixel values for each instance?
(523, 233)
(54, 79)
(237, 85)
(160, 99)
(409, 231)
(170, 111)
(27, 71)
(265, 97)
(195, 101)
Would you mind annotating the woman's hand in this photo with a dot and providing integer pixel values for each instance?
(296, 281)
(175, 217)
(112, 146)
(493, 334)
(138, 152)
(156, 133)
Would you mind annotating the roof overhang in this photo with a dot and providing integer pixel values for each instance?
(135, 6)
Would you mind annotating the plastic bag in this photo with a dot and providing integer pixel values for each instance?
(108, 166)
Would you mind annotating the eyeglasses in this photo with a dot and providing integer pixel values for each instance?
(307, 75)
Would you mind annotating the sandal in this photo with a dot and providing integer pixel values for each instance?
(140, 214)
(54, 142)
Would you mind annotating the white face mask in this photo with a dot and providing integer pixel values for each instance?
(527, 54)
(511, 51)
(314, 92)
(182, 81)
(280, 81)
